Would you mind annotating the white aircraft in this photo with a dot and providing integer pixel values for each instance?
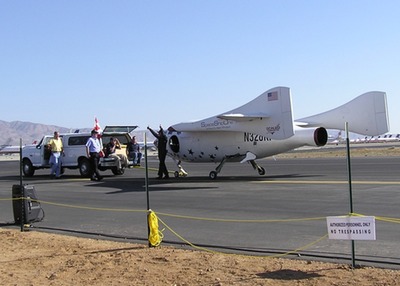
(150, 146)
(264, 127)
(390, 138)
(335, 140)
(386, 138)
(8, 149)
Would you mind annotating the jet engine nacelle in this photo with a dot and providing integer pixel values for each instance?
(315, 137)
(310, 136)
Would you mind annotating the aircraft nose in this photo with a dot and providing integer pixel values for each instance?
(173, 143)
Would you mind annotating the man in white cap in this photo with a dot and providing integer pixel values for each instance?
(93, 149)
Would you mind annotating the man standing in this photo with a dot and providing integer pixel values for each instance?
(134, 151)
(162, 152)
(93, 149)
(56, 147)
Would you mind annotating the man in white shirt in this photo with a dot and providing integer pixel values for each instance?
(93, 149)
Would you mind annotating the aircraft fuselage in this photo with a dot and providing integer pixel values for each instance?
(215, 146)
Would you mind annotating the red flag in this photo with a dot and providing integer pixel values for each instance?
(97, 126)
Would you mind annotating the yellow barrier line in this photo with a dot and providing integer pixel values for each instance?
(386, 219)
(91, 208)
(328, 182)
(78, 207)
(14, 199)
(301, 248)
(224, 253)
(381, 218)
(240, 220)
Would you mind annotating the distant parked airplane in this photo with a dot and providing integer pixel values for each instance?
(8, 149)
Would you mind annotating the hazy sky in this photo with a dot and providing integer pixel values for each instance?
(163, 62)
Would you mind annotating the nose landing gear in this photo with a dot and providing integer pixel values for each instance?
(181, 172)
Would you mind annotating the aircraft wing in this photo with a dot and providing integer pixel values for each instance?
(269, 115)
(242, 117)
(366, 114)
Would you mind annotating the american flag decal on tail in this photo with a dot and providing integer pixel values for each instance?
(272, 96)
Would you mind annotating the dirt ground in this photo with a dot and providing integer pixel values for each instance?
(37, 258)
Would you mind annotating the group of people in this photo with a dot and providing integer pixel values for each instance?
(94, 151)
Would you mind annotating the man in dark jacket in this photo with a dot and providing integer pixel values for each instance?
(162, 152)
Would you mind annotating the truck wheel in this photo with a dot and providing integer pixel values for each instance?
(27, 168)
(84, 168)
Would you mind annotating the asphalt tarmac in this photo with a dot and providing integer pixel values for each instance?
(240, 212)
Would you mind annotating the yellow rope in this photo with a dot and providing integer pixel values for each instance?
(155, 236)
(385, 219)
(271, 256)
(242, 220)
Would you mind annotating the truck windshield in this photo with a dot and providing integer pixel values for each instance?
(126, 129)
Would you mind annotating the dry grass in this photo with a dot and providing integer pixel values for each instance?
(367, 151)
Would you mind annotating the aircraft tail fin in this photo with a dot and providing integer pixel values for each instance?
(366, 114)
(269, 115)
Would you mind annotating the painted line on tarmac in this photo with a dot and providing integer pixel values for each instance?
(330, 182)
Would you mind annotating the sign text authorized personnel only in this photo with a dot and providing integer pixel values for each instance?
(351, 227)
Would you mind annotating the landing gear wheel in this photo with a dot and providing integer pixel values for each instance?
(213, 175)
(261, 171)
(180, 173)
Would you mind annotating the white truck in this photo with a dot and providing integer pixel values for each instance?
(37, 156)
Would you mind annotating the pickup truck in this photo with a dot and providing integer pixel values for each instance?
(37, 156)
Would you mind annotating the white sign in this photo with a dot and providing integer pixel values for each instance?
(351, 227)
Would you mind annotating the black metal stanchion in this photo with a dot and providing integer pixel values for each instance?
(21, 187)
(353, 255)
(147, 188)
(147, 173)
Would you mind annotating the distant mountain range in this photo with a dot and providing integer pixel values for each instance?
(12, 132)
